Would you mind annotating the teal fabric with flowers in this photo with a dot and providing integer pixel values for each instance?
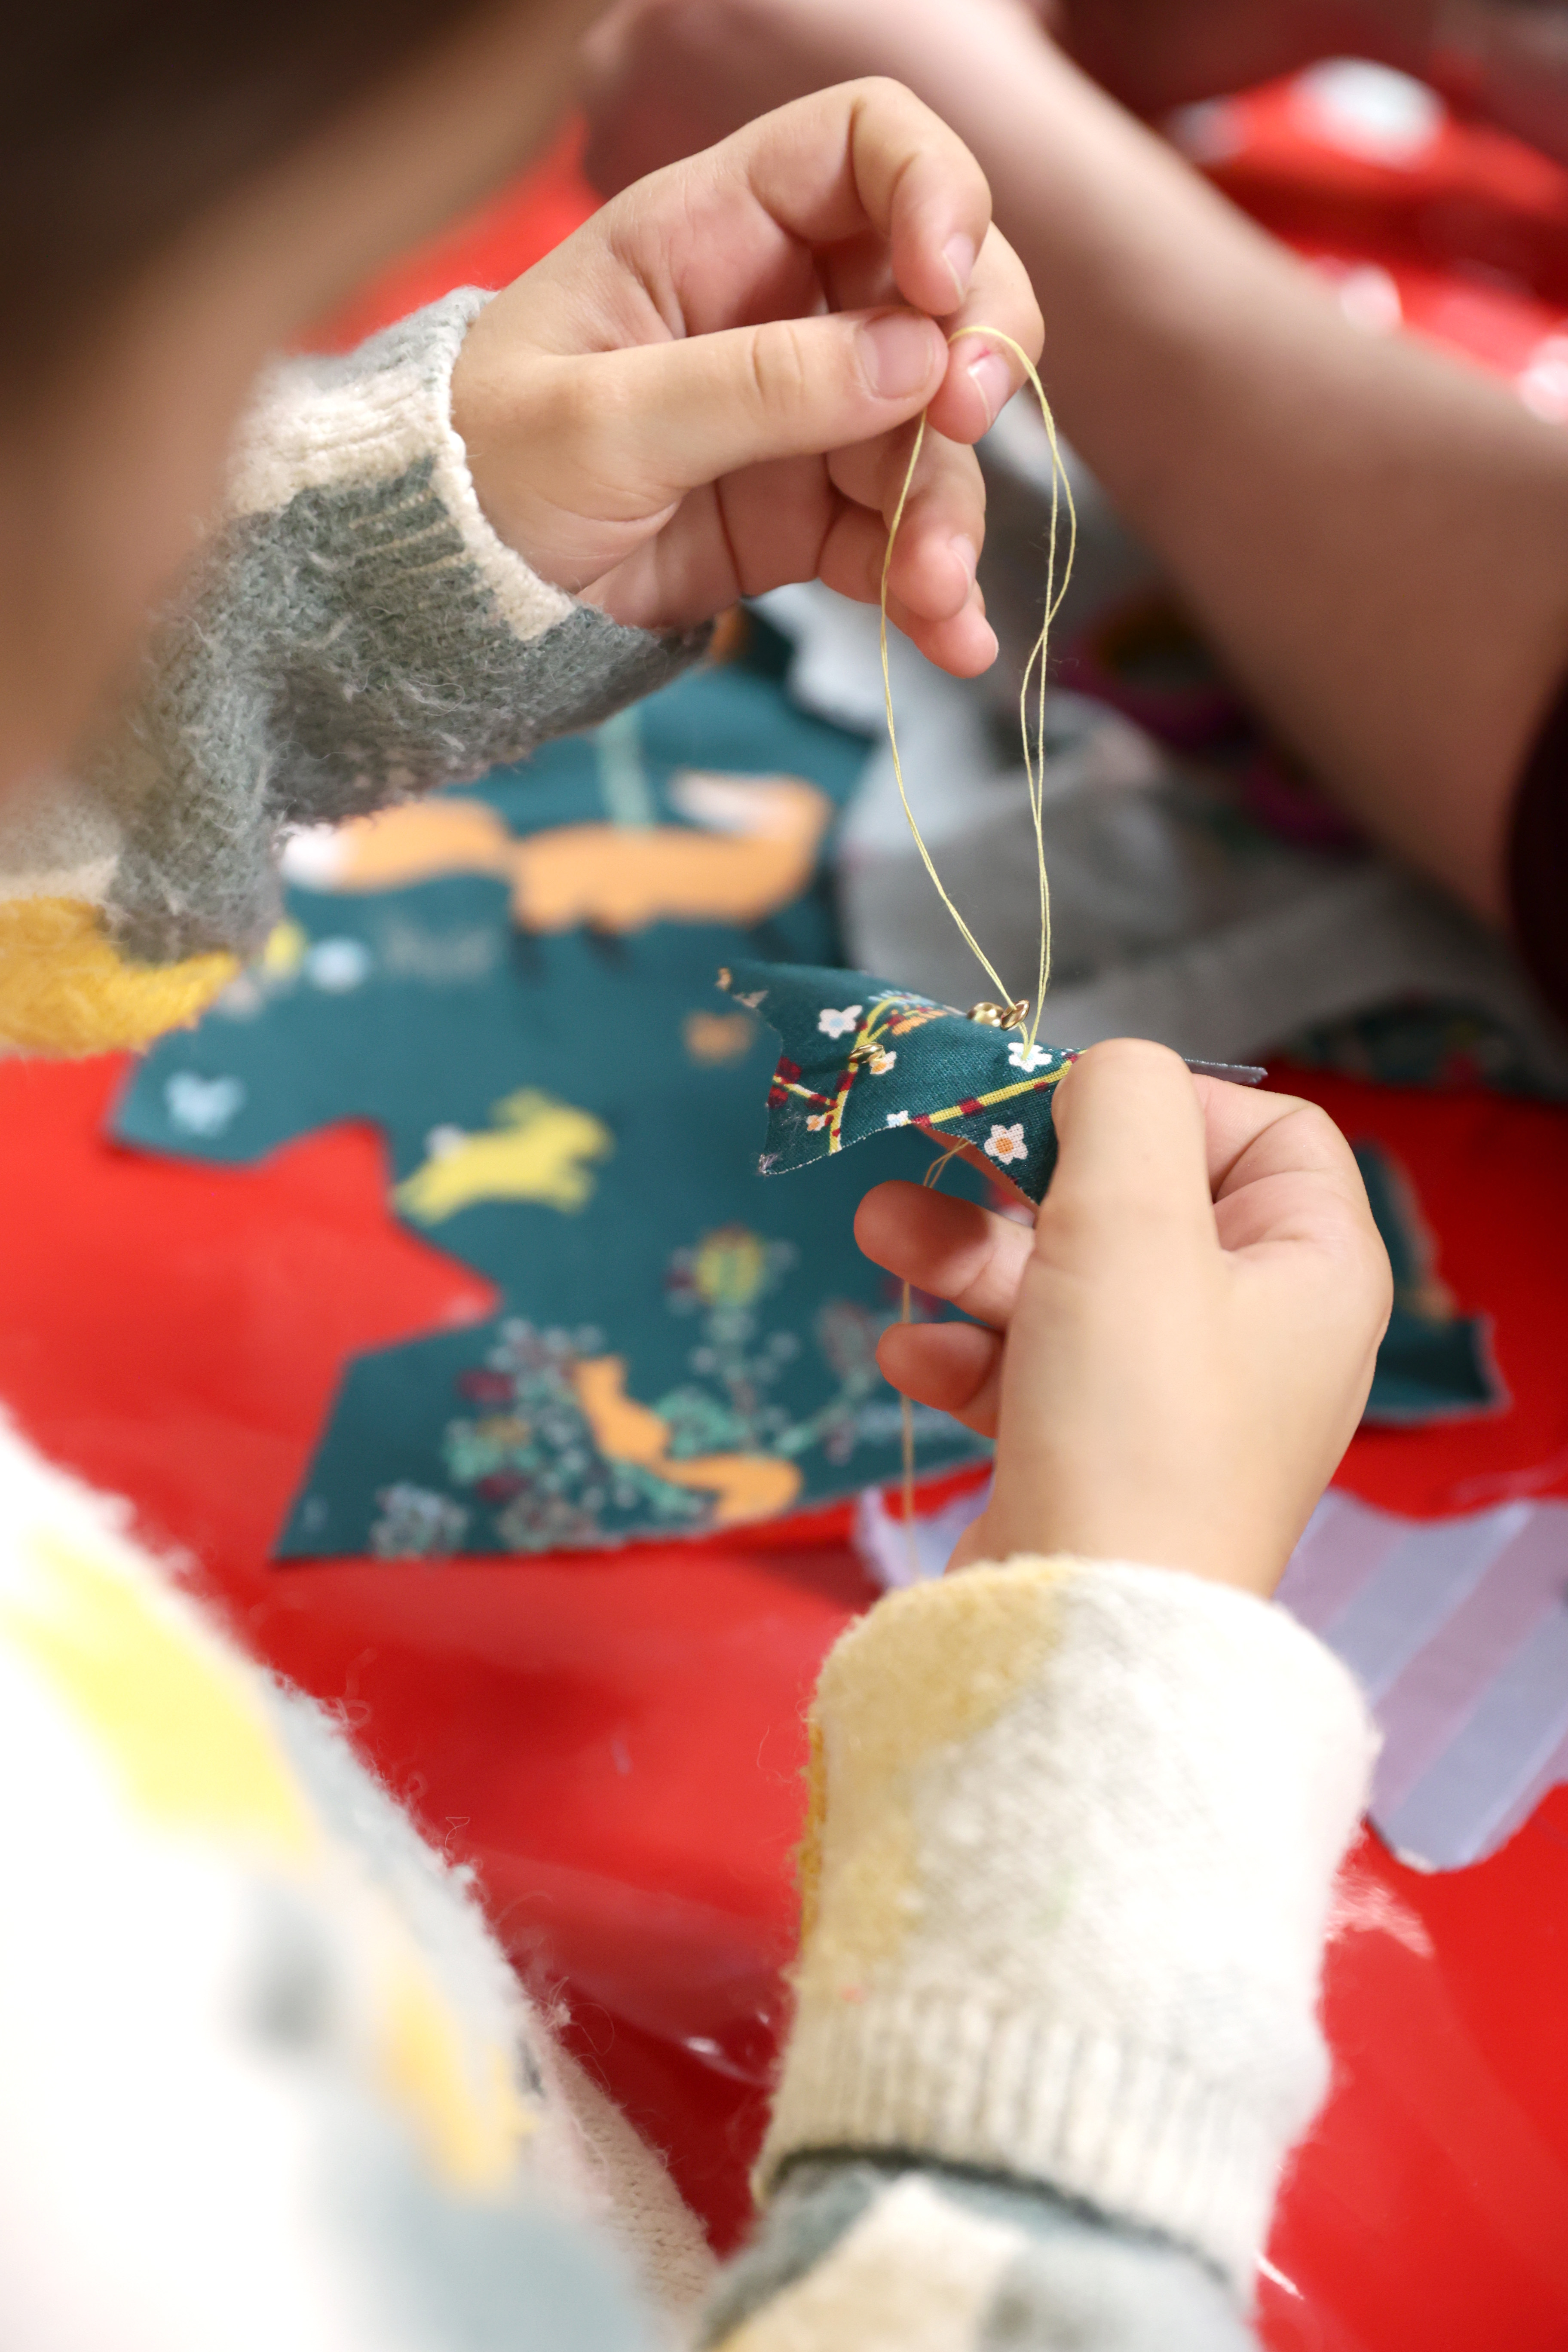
(573, 1112)
(861, 1059)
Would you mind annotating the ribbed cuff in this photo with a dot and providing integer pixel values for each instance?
(1130, 2131)
(331, 424)
(529, 605)
(1075, 1827)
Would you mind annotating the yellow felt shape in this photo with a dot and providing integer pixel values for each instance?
(64, 988)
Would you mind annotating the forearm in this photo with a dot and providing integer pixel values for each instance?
(1376, 536)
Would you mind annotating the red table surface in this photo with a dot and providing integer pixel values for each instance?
(616, 1739)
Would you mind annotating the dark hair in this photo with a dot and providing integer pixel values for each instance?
(120, 121)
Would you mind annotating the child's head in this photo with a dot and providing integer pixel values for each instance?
(182, 185)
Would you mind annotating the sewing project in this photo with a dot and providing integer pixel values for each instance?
(860, 1058)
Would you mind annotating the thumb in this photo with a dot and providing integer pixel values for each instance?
(653, 421)
(1131, 1184)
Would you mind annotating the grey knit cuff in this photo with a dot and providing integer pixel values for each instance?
(375, 416)
(355, 633)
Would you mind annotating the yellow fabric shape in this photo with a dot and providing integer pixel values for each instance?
(64, 988)
(538, 1150)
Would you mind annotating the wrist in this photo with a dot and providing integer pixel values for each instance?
(1213, 1552)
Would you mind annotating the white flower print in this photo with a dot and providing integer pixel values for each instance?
(1007, 1143)
(898, 1118)
(816, 1120)
(1025, 1056)
(838, 1025)
(881, 1062)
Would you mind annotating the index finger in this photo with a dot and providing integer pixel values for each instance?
(870, 154)
(713, 239)
(1250, 1133)
(984, 370)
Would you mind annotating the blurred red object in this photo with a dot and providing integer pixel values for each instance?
(1423, 217)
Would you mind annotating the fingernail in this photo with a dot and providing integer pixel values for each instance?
(967, 555)
(993, 380)
(899, 353)
(959, 255)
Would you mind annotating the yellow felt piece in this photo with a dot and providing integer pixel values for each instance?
(177, 1718)
(64, 989)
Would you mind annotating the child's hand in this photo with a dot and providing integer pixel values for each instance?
(708, 390)
(1191, 1329)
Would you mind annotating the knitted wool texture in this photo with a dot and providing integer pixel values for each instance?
(1074, 1834)
(354, 632)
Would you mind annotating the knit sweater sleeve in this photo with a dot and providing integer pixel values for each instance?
(1074, 1831)
(354, 632)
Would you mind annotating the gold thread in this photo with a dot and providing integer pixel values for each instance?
(1034, 682)
(935, 1169)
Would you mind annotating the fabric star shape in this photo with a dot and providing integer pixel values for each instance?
(860, 1056)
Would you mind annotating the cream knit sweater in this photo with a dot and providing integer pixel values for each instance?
(268, 2080)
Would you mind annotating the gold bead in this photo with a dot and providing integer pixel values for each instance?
(1001, 1016)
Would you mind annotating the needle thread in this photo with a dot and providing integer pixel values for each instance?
(935, 1171)
(1032, 700)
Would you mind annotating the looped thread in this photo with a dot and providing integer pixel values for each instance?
(935, 1171)
(1033, 686)
(1012, 1013)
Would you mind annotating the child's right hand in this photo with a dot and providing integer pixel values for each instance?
(1190, 1332)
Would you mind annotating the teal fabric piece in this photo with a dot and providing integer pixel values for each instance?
(1434, 1364)
(862, 1059)
(1450, 1046)
(573, 1112)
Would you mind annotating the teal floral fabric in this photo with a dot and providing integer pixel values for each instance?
(573, 1112)
(861, 1059)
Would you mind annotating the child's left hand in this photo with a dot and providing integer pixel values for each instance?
(710, 390)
